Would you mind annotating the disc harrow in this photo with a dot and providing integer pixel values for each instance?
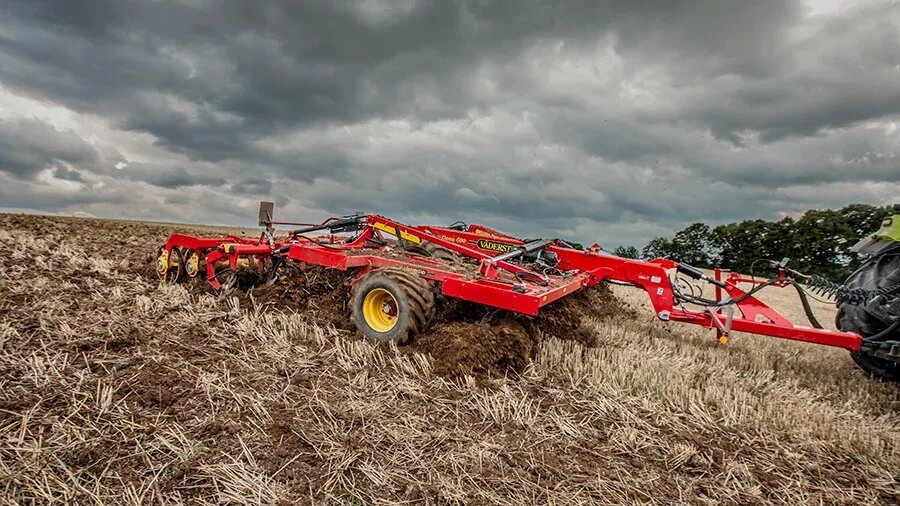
(397, 270)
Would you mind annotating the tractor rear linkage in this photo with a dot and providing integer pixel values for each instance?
(484, 266)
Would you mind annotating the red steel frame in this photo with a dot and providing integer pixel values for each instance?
(496, 283)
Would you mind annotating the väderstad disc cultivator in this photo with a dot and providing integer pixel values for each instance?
(398, 269)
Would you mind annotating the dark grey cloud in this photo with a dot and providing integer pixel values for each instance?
(620, 119)
(247, 71)
(29, 146)
(252, 186)
(169, 176)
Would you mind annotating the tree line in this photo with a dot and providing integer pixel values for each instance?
(818, 242)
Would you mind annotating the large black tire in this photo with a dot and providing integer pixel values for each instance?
(881, 272)
(412, 299)
(441, 253)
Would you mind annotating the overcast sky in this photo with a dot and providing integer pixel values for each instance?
(607, 121)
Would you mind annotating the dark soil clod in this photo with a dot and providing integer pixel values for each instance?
(478, 349)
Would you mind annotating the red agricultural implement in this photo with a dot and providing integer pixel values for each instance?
(398, 269)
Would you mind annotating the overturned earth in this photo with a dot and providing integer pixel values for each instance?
(463, 338)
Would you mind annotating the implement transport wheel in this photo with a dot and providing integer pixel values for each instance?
(169, 265)
(391, 305)
(880, 272)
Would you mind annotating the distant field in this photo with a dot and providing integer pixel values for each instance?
(116, 389)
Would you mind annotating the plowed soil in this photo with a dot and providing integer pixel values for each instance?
(116, 389)
(462, 339)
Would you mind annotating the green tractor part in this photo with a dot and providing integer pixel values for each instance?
(876, 315)
(888, 235)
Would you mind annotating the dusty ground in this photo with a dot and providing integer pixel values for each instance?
(114, 389)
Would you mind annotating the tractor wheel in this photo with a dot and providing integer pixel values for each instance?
(391, 305)
(880, 272)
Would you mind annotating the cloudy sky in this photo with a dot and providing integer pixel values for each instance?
(609, 121)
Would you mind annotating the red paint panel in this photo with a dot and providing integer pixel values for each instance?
(482, 293)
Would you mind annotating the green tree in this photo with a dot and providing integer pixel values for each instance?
(626, 252)
(818, 242)
(692, 246)
(659, 247)
(822, 239)
(739, 245)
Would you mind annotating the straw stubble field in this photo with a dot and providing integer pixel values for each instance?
(116, 389)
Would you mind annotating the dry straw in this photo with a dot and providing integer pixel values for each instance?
(114, 390)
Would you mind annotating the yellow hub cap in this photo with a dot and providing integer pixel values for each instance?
(162, 264)
(192, 264)
(380, 310)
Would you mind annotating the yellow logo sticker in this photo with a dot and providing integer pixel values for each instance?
(500, 247)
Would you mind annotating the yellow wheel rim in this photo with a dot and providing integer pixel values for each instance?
(162, 264)
(380, 310)
(192, 264)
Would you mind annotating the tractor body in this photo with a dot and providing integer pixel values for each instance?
(869, 301)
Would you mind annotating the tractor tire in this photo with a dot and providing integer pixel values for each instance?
(392, 305)
(878, 273)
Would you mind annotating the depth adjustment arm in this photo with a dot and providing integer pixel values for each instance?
(695, 273)
(723, 330)
(524, 249)
(349, 224)
(490, 264)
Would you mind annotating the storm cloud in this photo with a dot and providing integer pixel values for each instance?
(609, 121)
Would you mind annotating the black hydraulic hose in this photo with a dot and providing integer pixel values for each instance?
(806, 307)
(884, 333)
(873, 340)
(727, 302)
(697, 274)
(287, 247)
(342, 225)
(318, 243)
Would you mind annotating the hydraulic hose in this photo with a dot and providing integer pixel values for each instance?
(807, 308)
(892, 327)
